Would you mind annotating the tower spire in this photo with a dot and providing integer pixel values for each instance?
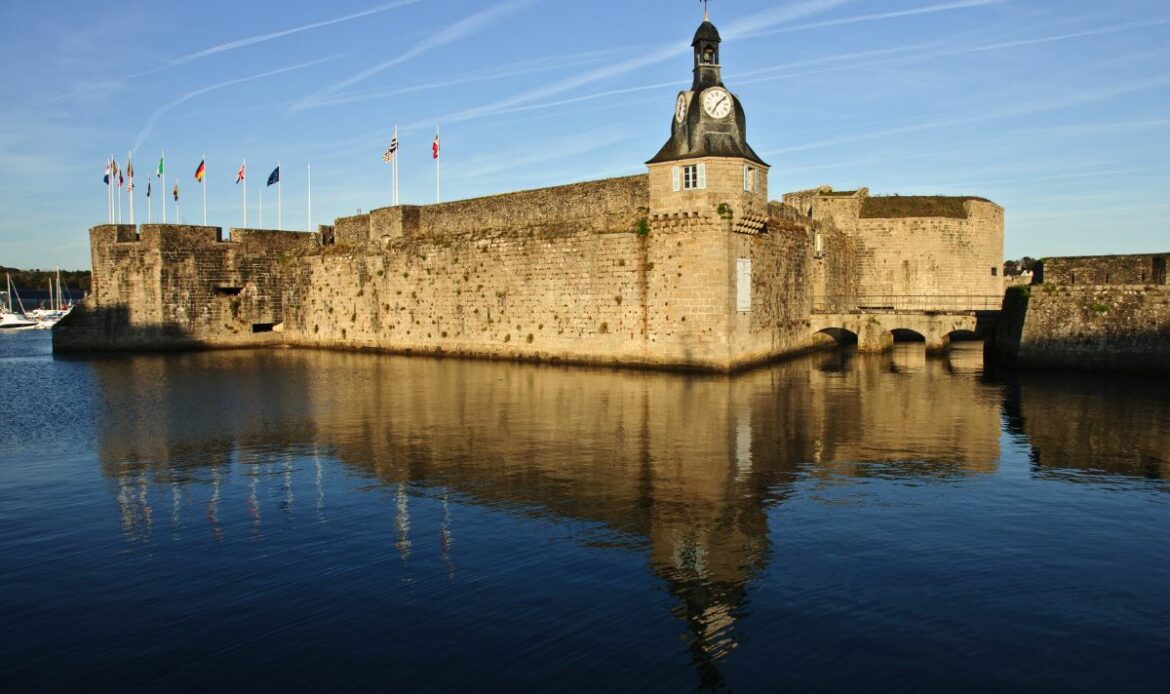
(706, 16)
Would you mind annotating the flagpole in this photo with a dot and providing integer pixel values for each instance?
(394, 167)
(204, 182)
(119, 204)
(310, 198)
(279, 201)
(148, 216)
(438, 155)
(162, 158)
(245, 193)
(109, 189)
(130, 191)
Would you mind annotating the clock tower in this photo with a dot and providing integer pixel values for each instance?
(707, 166)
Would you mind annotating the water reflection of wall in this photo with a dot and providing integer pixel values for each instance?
(688, 463)
(1109, 423)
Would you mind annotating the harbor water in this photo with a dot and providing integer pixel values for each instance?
(304, 520)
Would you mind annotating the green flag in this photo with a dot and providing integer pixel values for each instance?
(161, 171)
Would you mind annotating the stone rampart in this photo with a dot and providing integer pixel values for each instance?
(917, 246)
(1141, 269)
(162, 286)
(1123, 327)
(581, 273)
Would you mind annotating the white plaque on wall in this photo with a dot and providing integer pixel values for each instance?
(743, 284)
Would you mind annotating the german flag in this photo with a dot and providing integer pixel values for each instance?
(201, 171)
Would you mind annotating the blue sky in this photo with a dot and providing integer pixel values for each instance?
(1059, 110)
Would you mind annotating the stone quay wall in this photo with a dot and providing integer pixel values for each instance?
(579, 273)
(1122, 327)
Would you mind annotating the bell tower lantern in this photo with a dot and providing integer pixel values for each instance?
(707, 166)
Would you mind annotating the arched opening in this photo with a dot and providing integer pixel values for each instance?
(708, 56)
(907, 335)
(964, 336)
(841, 336)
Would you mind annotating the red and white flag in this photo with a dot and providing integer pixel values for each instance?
(435, 147)
(240, 173)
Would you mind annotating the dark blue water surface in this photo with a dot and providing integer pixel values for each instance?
(300, 520)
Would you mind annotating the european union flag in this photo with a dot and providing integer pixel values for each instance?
(274, 177)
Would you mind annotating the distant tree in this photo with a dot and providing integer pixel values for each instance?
(1011, 268)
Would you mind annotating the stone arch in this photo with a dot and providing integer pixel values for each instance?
(963, 335)
(907, 335)
(842, 336)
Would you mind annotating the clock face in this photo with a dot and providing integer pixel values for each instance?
(717, 102)
(680, 108)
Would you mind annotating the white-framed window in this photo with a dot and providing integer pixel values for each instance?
(694, 176)
(751, 178)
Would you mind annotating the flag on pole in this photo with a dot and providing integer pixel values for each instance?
(274, 177)
(435, 147)
(130, 174)
(148, 187)
(161, 167)
(391, 150)
(240, 173)
(201, 171)
(121, 180)
(106, 178)
(176, 192)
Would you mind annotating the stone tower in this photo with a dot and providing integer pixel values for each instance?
(707, 168)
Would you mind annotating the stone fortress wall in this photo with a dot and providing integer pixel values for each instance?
(1109, 312)
(917, 246)
(589, 273)
(578, 273)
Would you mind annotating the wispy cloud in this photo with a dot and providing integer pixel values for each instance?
(449, 34)
(119, 83)
(158, 114)
(572, 146)
(1037, 106)
(523, 67)
(766, 74)
(929, 9)
(663, 53)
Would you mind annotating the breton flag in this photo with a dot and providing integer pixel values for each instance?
(240, 173)
(274, 177)
(201, 171)
(388, 156)
(435, 147)
(176, 192)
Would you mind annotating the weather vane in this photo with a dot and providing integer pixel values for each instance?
(706, 17)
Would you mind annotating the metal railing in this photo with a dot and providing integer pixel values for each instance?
(907, 303)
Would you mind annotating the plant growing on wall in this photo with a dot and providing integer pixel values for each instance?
(642, 222)
(724, 211)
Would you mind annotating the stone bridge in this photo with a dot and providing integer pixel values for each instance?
(875, 322)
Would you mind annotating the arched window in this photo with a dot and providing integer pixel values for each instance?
(708, 55)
